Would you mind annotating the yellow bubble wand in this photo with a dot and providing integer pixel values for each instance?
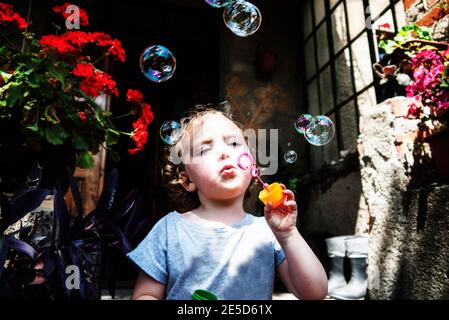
(271, 193)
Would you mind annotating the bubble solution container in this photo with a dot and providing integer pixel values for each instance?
(203, 295)
(273, 193)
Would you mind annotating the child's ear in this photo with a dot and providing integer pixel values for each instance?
(186, 182)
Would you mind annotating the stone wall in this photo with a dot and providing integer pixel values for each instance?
(409, 242)
(334, 206)
(430, 13)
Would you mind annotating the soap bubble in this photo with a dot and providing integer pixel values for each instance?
(170, 131)
(242, 18)
(218, 3)
(302, 122)
(157, 63)
(255, 172)
(245, 161)
(290, 156)
(320, 131)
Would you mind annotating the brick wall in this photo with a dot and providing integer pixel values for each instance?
(430, 13)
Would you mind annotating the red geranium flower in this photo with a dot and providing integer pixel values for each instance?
(82, 116)
(84, 19)
(100, 82)
(147, 115)
(117, 51)
(83, 70)
(8, 16)
(134, 96)
(57, 43)
(140, 137)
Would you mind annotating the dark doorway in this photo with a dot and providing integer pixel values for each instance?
(191, 32)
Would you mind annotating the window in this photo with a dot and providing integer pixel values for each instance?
(340, 48)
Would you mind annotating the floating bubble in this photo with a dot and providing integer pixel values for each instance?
(157, 63)
(218, 3)
(242, 18)
(170, 132)
(320, 131)
(290, 156)
(302, 122)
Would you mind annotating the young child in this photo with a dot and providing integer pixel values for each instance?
(217, 246)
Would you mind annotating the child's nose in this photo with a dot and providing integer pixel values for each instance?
(223, 154)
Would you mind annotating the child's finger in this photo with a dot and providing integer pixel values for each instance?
(289, 194)
(267, 208)
(291, 205)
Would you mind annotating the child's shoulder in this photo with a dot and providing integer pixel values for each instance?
(167, 219)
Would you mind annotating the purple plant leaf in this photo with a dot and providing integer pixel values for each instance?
(107, 196)
(123, 208)
(61, 223)
(133, 219)
(125, 245)
(61, 265)
(22, 247)
(49, 261)
(3, 253)
(27, 202)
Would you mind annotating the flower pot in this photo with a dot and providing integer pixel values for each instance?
(439, 146)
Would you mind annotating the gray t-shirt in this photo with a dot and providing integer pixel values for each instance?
(234, 262)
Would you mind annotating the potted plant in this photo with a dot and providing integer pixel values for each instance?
(48, 96)
(426, 62)
(34, 259)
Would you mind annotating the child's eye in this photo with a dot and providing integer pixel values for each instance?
(235, 144)
(204, 150)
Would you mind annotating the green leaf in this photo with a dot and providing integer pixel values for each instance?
(84, 160)
(57, 74)
(34, 127)
(79, 142)
(50, 115)
(35, 80)
(388, 46)
(56, 135)
(30, 104)
(14, 93)
(112, 137)
(5, 76)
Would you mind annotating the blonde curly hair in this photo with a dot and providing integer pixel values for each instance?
(171, 177)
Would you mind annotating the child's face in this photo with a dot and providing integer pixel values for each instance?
(216, 144)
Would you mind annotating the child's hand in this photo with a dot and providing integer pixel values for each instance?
(282, 219)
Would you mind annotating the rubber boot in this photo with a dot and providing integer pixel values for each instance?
(336, 251)
(357, 252)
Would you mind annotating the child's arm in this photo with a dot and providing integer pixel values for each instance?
(301, 271)
(147, 288)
